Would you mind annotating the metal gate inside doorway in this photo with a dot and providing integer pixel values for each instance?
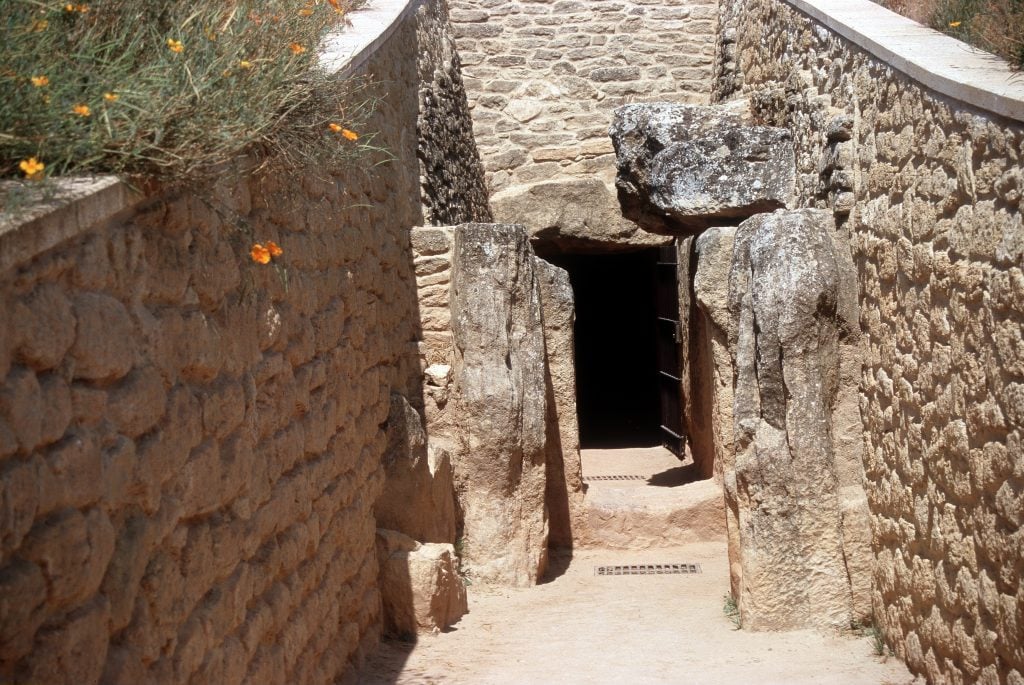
(669, 344)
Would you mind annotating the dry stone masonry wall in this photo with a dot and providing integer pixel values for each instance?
(543, 78)
(930, 191)
(190, 443)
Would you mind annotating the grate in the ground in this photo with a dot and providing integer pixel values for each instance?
(646, 569)
(620, 477)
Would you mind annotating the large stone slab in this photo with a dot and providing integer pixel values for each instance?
(564, 468)
(792, 297)
(711, 425)
(500, 413)
(420, 586)
(575, 215)
(419, 493)
(682, 168)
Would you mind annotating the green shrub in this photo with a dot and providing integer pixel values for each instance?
(169, 89)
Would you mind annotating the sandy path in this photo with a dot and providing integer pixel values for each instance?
(582, 628)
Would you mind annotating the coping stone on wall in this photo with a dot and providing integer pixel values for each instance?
(937, 61)
(68, 207)
(74, 204)
(369, 27)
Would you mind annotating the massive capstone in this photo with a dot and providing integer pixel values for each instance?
(682, 168)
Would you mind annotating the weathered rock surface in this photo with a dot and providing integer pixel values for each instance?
(792, 296)
(579, 215)
(564, 469)
(682, 168)
(500, 412)
(419, 493)
(714, 326)
(421, 589)
(626, 516)
(712, 430)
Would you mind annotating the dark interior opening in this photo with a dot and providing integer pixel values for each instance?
(616, 353)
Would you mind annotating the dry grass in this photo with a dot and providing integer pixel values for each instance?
(168, 89)
(993, 25)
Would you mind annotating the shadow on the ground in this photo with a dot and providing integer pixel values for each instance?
(558, 563)
(679, 475)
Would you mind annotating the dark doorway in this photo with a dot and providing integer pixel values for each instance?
(617, 389)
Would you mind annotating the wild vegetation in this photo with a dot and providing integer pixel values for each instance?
(169, 89)
(993, 25)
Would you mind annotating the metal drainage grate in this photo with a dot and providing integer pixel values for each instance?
(646, 569)
(629, 477)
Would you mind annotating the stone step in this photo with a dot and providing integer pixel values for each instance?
(659, 510)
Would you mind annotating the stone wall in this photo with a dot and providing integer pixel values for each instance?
(190, 442)
(543, 78)
(929, 189)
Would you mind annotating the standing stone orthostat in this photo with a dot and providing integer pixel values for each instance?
(792, 296)
(501, 409)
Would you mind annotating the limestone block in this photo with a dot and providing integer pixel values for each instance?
(45, 327)
(73, 551)
(74, 651)
(788, 281)
(419, 495)
(104, 347)
(574, 214)
(21, 404)
(711, 292)
(137, 404)
(500, 412)
(420, 586)
(681, 168)
(564, 468)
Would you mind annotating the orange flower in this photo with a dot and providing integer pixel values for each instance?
(274, 249)
(954, 24)
(335, 127)
(245, 64)
(296, 48)
(32, 168)
(40, 81)
(336, 5)
(82, 110)
(40, 25)
(260, 254)
(350, 135)
(111, 97)
(174, 45)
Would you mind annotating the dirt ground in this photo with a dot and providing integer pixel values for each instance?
(584, 628)
(579, 627)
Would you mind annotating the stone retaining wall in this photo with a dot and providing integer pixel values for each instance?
(190, 442)
(543, 78)
(929, 188)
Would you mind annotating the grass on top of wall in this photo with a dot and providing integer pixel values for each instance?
(169, 89)
(993, 25)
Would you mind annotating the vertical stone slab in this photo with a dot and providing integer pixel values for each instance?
(418, 498)
(501, 408)
(714, 328)
(564, 468)
(786, 292)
